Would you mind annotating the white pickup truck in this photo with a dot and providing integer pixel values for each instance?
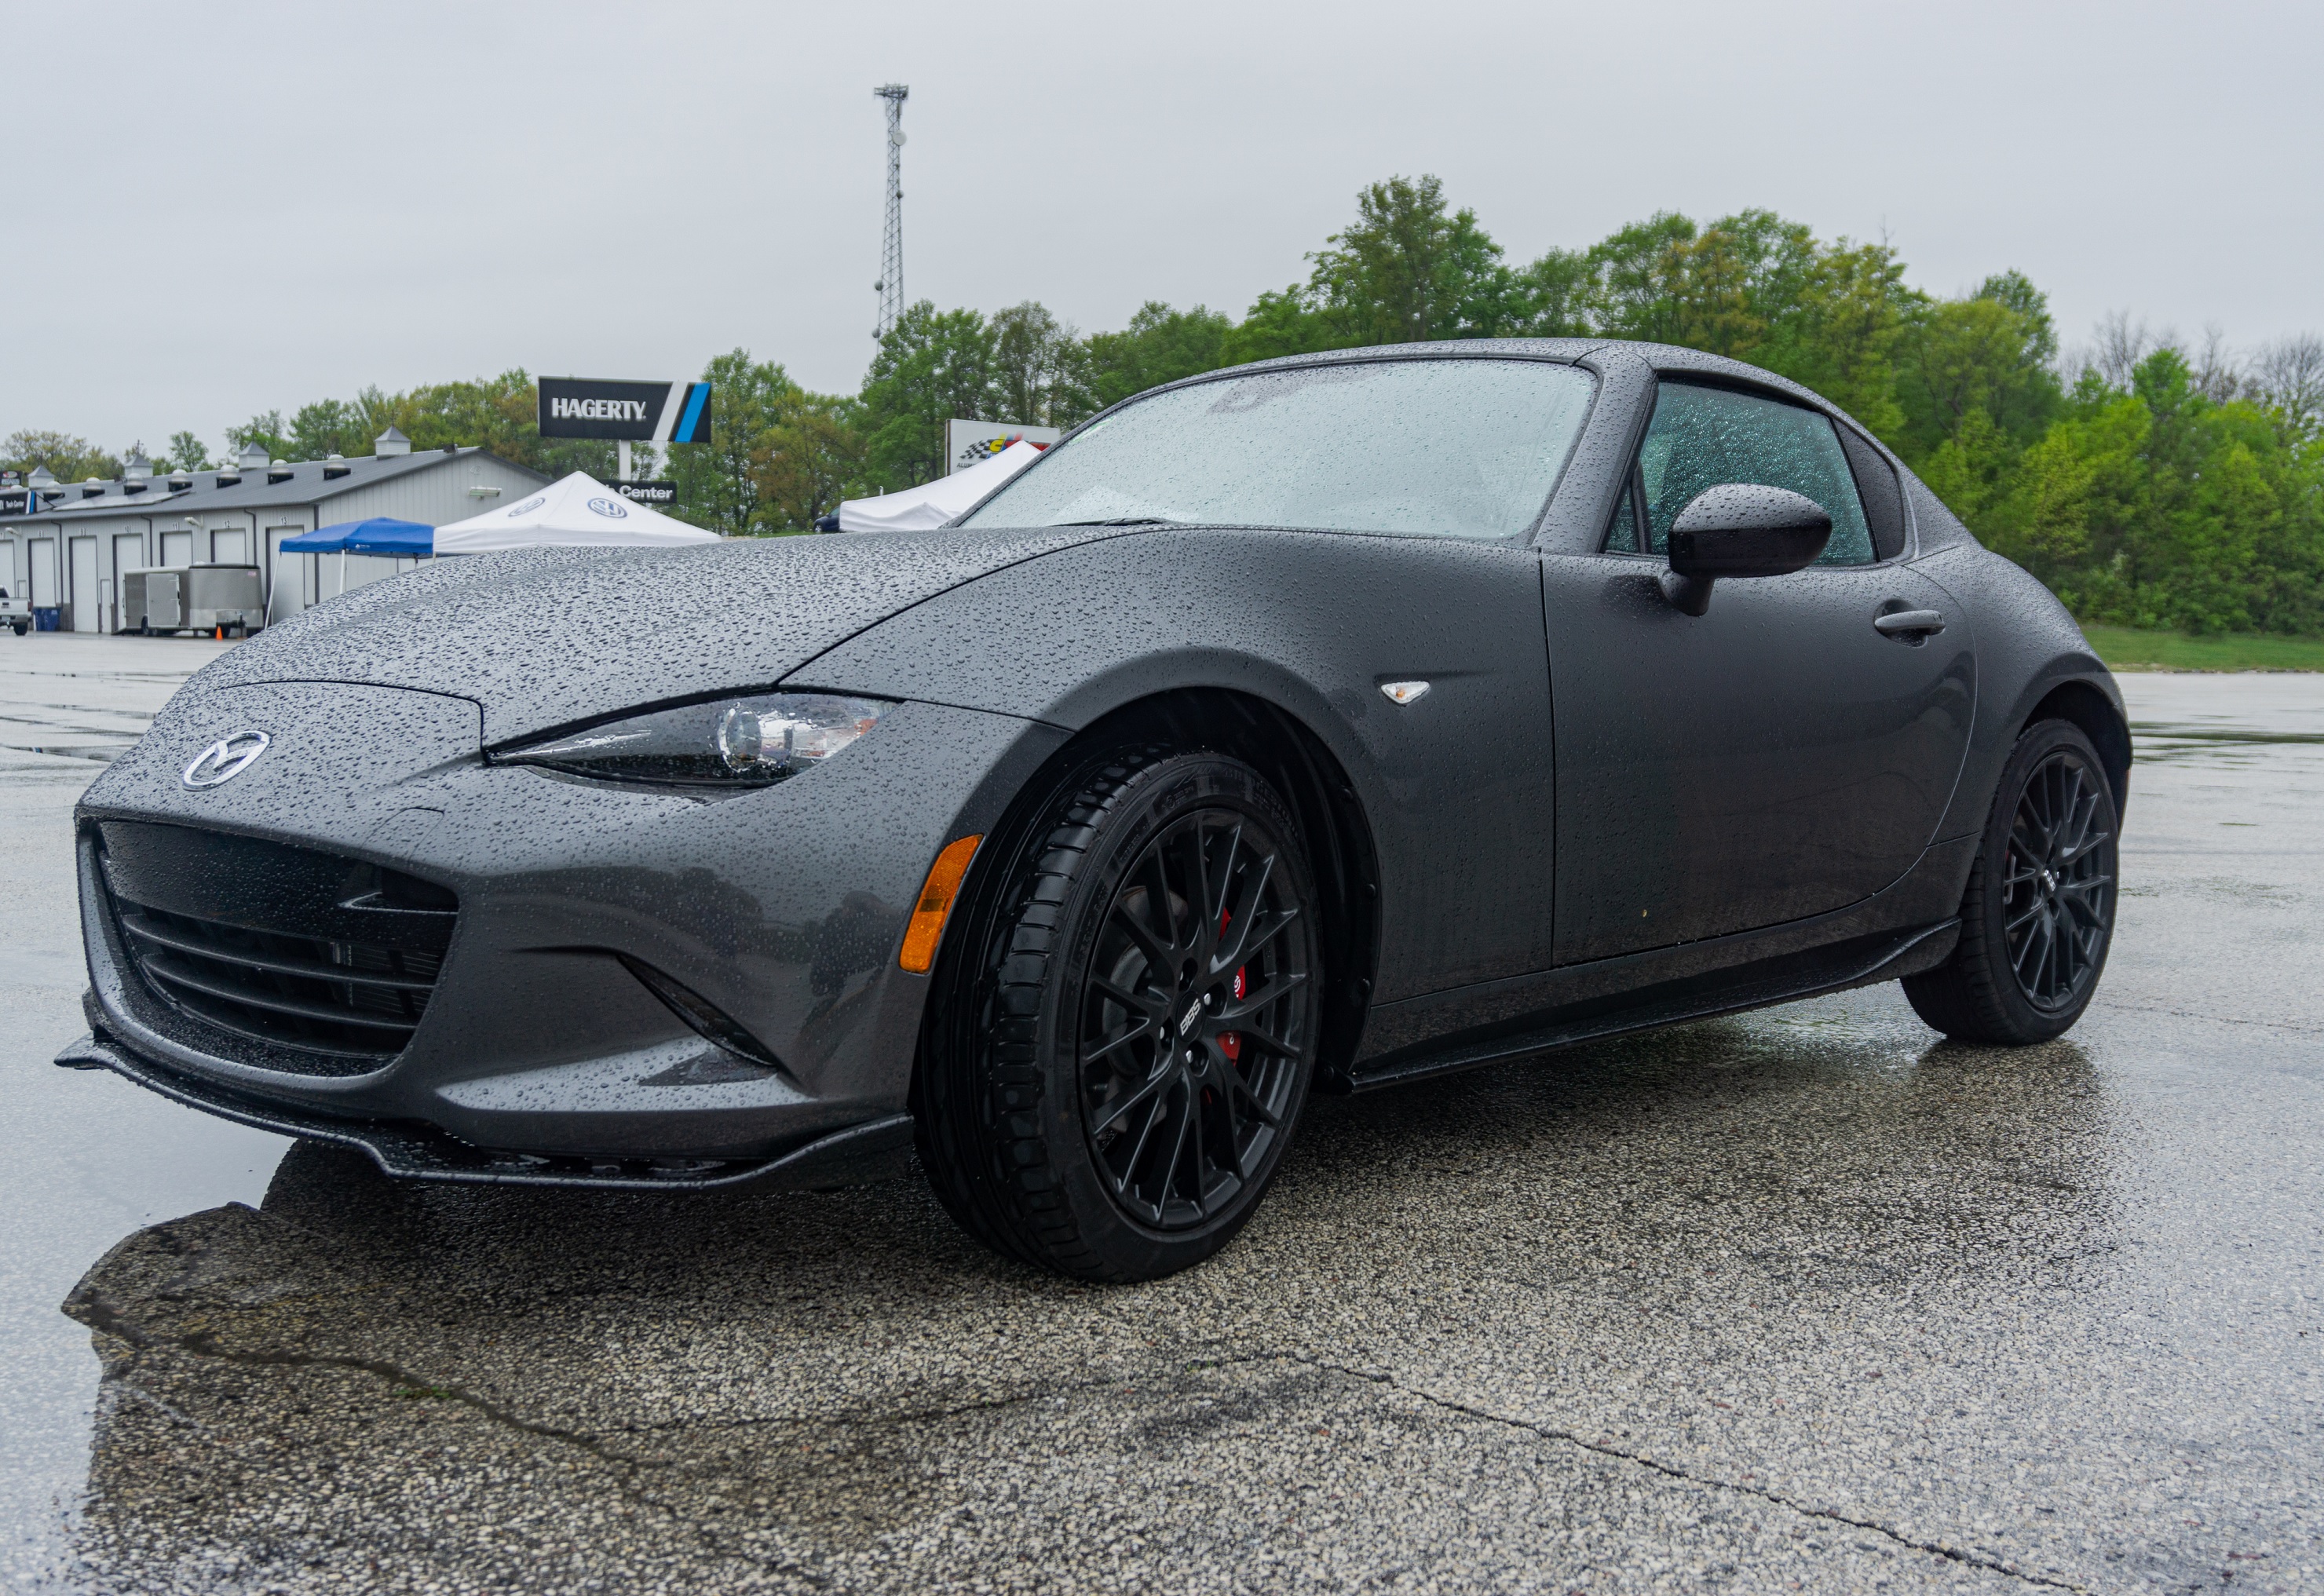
(15, 614)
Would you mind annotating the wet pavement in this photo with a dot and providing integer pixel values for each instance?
(1804, 1300)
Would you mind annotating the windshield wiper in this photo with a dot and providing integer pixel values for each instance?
(1127, 521)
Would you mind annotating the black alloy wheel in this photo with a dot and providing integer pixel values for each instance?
(1192, 1019)
(2057, 881)
(2039, 912)
(1121, 1038)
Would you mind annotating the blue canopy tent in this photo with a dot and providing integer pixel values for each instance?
(382, 534)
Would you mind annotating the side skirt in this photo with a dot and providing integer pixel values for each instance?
(1860, 961)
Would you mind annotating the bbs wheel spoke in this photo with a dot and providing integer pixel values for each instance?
(1129, 1105)
(1142, 1031)
(1240, 1089)
(1157, 952)
(1120, 995)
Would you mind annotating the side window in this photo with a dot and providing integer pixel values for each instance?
(1876, 483)
(1703, 436)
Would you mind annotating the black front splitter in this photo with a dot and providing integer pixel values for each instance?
(876, 1149)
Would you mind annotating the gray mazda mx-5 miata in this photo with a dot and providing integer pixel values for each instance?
(1320, 724)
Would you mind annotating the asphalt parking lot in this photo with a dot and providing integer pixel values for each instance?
(1803, 1300)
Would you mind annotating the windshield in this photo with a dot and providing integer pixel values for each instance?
(1447, 449)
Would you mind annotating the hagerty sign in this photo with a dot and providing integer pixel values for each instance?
(643, 412)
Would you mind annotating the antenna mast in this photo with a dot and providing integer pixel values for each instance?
(890, 286)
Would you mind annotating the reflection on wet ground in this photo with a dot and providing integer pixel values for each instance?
(88, 698)
(1807, 1298)
(2217, 719)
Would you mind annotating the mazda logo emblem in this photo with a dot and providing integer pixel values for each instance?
(225, 759)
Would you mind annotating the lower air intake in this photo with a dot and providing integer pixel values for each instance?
(314, 963)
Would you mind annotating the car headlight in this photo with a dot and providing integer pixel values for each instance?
(753, 741)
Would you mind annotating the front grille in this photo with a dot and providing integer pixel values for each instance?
(342, 995)
(326, 963)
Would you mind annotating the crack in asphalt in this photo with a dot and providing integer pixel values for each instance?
(1603, 1449)
(100, 1315)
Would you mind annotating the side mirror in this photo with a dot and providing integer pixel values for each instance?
(1740, 529)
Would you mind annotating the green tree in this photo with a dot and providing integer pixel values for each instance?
(2151, 504)
(1281, 322)
(1751, 286)
(2288, 379)
(328, 426)
(932, 366)
(1410, 270)
(1551, 298)
(266, 430)
(1041, 369)
(808, 462)
(718, 482)
(67, 458)
(1840, 336)
(186, 453)
(1159, 345)
(1631, 288)
(1992, 353)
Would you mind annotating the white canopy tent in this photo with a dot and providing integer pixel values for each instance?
(576, 512)
(932, 503)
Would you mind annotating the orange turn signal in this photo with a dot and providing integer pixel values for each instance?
(937, 898)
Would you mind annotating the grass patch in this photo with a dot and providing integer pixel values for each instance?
(2125, 647)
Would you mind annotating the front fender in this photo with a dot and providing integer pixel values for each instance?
(1457, 787)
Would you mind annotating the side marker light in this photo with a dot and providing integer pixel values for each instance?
(1405, 692)
(937, 898)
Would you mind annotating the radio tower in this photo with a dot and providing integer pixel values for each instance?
(890, 286)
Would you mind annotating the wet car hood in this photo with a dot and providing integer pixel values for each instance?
(547, 638)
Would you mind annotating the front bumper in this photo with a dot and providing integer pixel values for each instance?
(782, 907)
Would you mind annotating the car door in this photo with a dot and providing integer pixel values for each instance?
(1776, 757)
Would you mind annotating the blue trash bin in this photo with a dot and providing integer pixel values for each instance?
(46, 617)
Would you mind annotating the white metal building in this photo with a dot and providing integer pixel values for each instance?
(71, 551)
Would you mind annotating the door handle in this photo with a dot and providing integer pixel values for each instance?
(1909, 623)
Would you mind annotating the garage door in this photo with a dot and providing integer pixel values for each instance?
(88, 606)
(44, 571)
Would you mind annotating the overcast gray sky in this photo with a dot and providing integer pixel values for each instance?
(223, 210)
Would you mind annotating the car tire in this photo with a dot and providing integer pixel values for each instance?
(2038, 916)
(1099, 1094)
